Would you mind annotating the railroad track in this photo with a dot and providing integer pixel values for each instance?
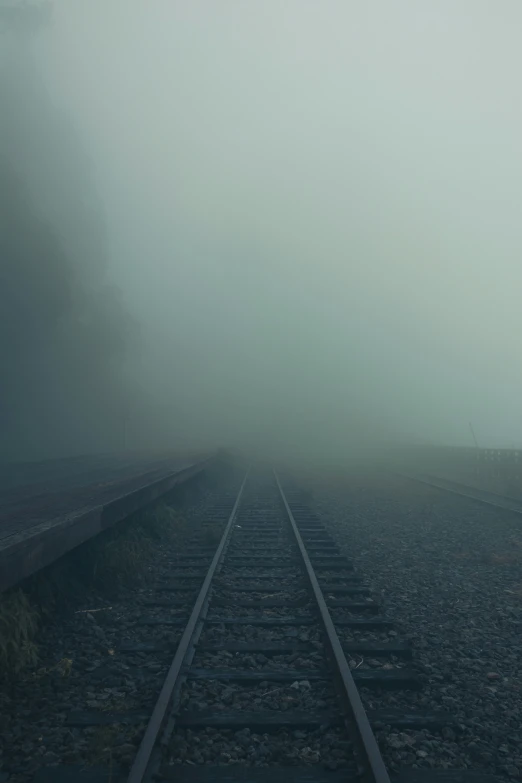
(266, 580)
(276, 573)
(272, 620)
(503, 502)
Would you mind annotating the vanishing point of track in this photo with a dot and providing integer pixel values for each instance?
(310, 547)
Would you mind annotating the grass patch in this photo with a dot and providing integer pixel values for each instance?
(18, 626)
(164, 524)
(120, 561)
(100, 749)
(121, 558)
(114, 559)
(113, 746)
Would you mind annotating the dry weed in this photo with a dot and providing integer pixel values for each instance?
(18, 626)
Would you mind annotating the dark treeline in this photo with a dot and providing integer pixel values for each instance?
(63, 327)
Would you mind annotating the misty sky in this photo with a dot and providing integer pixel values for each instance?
(312, 209)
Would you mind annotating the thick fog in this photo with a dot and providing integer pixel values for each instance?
(285, 225)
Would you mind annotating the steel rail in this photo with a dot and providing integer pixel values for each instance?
(357, 721)
(465, 491)
(148, 742)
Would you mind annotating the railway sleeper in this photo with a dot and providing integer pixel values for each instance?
(376, 623)
(281, 603)
(375, 649)
(244, 552)
(322, 540)
(185, 773)
(384, 649)
(322, 552)
(181, 587)
(341, 590)
(262, 575)
(295, 584)
(268, 720)
(275, 562)
(388, 679)
(166, 602)
(327, 559)
(274, 538)
(371, 607)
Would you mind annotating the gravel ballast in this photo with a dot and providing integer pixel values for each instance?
(82, 669)
(449, 571)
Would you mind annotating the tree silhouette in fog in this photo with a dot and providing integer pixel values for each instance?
(63, 328)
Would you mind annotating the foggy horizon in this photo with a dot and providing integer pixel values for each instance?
(286, 227)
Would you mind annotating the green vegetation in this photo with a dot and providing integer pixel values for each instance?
(120, 556)
(18, 626)
(101, 745)
(116, 558)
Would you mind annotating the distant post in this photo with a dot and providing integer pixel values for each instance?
(473, 435)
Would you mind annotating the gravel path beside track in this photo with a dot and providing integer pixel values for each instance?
(82, 669)
(450, 572)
